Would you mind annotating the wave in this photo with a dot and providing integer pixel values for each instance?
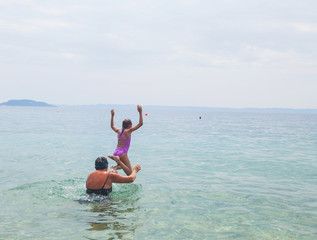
(72, 189)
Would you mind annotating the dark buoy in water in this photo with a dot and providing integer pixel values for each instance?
(199, 117)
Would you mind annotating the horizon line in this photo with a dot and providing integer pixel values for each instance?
(172, 106)
(180, 106)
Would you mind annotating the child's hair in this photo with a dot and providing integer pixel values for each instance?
(126, 123)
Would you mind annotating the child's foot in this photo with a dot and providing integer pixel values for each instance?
(114, 158)
(113, 169)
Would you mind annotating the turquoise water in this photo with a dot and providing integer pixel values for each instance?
(228, 175)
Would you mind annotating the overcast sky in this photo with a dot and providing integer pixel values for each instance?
(214, 53)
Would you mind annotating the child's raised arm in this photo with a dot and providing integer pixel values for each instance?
(140, 119)
(112, 123)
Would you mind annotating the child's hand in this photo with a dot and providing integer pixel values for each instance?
(112, 112)
(139, 108)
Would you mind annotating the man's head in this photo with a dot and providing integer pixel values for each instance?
(101, 163)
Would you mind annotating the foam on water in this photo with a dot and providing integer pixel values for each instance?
(31, 209)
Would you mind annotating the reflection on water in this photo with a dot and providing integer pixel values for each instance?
(116, 213)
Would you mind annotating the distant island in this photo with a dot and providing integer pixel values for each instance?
(26, 103)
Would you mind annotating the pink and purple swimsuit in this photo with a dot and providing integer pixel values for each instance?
(122, 150)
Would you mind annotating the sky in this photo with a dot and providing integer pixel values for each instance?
(209, 53)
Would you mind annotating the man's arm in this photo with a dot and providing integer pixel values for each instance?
(117, 178)
(140, 119)
(112, 122)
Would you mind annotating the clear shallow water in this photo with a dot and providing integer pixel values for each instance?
(226, 176)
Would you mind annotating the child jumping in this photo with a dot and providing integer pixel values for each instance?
(120, 155)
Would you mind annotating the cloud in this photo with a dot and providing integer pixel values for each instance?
(304, 28)
(43, 24)
(71, 56)
(21, 2)
(185, 56)
(221, 44)
(34, 25)
(51, 11)
(263, 56)
(246, 57)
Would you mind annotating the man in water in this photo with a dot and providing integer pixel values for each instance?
(100, 181)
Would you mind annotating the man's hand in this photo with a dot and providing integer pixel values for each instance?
(137, 167)
(112, 112)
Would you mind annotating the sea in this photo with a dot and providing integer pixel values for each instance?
(206, 174)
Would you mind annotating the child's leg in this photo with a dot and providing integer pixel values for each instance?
(125, 160)
(120, 163)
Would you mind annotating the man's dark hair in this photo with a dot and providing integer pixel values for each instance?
(101, 163)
